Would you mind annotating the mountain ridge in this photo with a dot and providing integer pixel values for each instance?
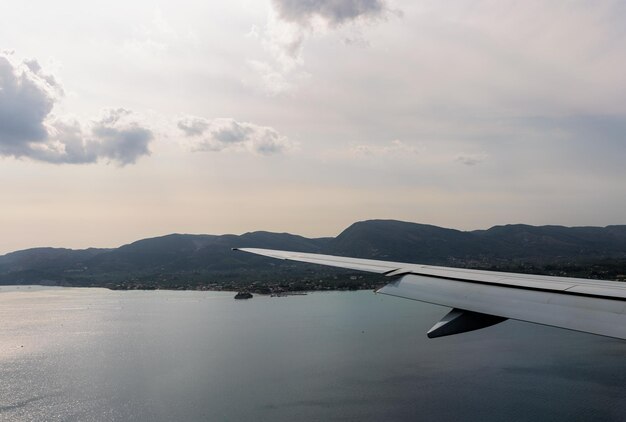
(202, 259)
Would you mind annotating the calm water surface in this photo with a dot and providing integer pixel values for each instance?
(99, 355)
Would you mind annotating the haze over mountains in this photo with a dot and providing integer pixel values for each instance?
(190, 261)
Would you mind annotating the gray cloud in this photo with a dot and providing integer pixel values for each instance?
(29, 130)
(471, 159)
(193, 126)
(26, 99)
(120, 138)
(225, 134)
(334, 12)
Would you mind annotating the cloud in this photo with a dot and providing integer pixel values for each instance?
(193, 126)
(393, 147)
(273, 80)
(120, 138)
(470, 159)
(333, 12)
(295, 20)
(224, 134)
(291, 22)
(28, 129)
(26, 99)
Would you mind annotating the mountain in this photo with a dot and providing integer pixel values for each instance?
(43, 264)
(189, 261)
(544, 243)
(180, 252)
(397, 240)
(401, 241)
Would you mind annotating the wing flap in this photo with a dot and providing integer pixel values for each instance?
(459, 321)
(588, 314)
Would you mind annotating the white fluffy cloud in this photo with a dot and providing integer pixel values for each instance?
(28, 129)
(224, 134)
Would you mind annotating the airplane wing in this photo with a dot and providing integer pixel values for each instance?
(483, 298)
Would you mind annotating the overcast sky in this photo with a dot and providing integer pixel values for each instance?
(127, 119)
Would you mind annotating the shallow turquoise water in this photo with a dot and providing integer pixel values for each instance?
(94, 354)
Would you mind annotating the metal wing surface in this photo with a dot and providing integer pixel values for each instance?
(484, 298)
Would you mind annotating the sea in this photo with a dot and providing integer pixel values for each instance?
(90, 354)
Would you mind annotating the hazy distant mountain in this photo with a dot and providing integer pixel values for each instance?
(178, 259)
(390, 239)
(522, 241)
(43, 263)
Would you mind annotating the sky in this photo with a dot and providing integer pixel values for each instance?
(123, 120)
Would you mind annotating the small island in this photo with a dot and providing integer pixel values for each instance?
(243, 295)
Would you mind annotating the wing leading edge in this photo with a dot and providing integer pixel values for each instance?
(484, 298)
